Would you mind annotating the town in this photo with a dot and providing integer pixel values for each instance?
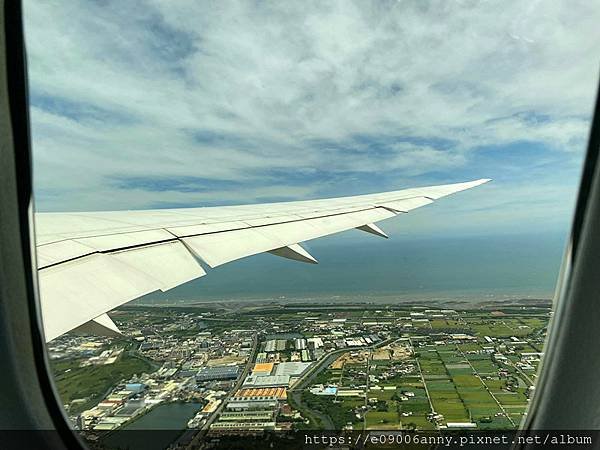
(248, 368)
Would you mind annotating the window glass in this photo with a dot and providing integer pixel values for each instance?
(166, 106)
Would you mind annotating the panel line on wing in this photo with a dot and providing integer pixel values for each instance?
(348, 210)
(182, 237)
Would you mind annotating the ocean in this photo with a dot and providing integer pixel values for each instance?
(405, 267)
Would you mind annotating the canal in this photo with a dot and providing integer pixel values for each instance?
(155, 429)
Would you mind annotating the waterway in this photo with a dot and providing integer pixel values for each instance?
(154, 430)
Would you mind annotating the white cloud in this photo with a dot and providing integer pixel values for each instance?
(288, 86)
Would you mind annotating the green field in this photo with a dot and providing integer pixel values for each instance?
(93, 382)
(458, 372)
(339, 412)
(383, 420)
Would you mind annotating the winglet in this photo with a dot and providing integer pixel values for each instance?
(295, 252)
(373, 229)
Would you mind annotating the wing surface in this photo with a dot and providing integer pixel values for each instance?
(92, 262)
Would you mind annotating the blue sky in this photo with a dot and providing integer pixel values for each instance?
(160, 104)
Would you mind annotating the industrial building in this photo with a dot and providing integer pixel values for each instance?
(259, 394)
(262, 369)
(218, 373)
(305, 356)
(300, 344)
(267, 381)
(251, 405)
(250, 415)
(275, 345)
(292, 369)
(258, 426)
(270, 345)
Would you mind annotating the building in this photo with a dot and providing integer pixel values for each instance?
(259, 394)
(249, 415)
(131, 408)
(315, 342)
(292, 369)
(249, 405)
(323, 390)
(218, 373)
(135, 387)
(461, 425)
(374, 338)
(210, 407)
(300, 344)
(262, 369)
(267, 381)
(258, 426)
(270, 345)
(462, 337)
(305, 356)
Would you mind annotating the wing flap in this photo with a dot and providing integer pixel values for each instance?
(220, 248)
(170, 264)
(77, 291)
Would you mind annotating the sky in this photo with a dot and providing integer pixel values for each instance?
(157, 104)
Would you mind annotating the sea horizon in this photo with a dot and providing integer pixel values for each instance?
(403, 269)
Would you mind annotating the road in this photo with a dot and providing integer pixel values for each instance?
(523, 374)
(318, 365)
(369, 357)
(487, 388)
(296, 391)
(412, 348)
(238, 384)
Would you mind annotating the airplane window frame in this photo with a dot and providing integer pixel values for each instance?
(573, 304)
(27, 385)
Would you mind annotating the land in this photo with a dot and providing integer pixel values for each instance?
(281, 366)
(82, 385)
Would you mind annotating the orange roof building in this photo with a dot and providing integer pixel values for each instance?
(262, 369)
(270, 393)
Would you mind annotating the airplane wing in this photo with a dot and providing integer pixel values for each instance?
(92, 262)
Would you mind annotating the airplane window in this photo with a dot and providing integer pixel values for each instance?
(278, 217)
